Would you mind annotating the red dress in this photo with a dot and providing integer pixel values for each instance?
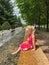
(27, 44)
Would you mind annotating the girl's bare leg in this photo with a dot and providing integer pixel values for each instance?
(16, 51)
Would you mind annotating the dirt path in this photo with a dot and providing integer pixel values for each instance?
(43, 42)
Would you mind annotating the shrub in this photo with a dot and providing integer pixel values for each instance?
(0, 27)
(5, 26)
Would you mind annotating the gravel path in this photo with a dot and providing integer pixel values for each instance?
(10, 46)
(6, 35)
(43, 42)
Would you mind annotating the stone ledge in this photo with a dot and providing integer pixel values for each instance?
(33, 58)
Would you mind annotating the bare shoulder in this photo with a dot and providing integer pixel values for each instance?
(32, 35)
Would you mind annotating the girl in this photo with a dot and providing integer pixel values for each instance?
(29, 40)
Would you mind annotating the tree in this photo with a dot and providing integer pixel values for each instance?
(6, 13)
(34, 11)
(5, 26)
(5, 10)
(0, 27)
(47, 8)
(30, 10)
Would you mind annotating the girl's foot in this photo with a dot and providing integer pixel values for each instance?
(14, 53)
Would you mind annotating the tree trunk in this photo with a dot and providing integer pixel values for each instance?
(47, 14)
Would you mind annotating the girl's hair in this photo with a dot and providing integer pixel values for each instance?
(30, 28)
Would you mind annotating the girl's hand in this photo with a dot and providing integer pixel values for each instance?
(33, 50)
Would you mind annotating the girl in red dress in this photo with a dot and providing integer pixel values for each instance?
(29, 40)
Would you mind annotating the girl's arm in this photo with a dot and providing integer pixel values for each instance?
(33, 41)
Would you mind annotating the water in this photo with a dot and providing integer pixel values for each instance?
(6, 35)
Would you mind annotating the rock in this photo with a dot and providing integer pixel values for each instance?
(33, 58)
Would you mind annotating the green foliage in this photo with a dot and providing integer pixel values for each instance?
(0, 27)
(6, 14)
(19, 23)
(5, 26)
(16, 22)
(34, 11)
